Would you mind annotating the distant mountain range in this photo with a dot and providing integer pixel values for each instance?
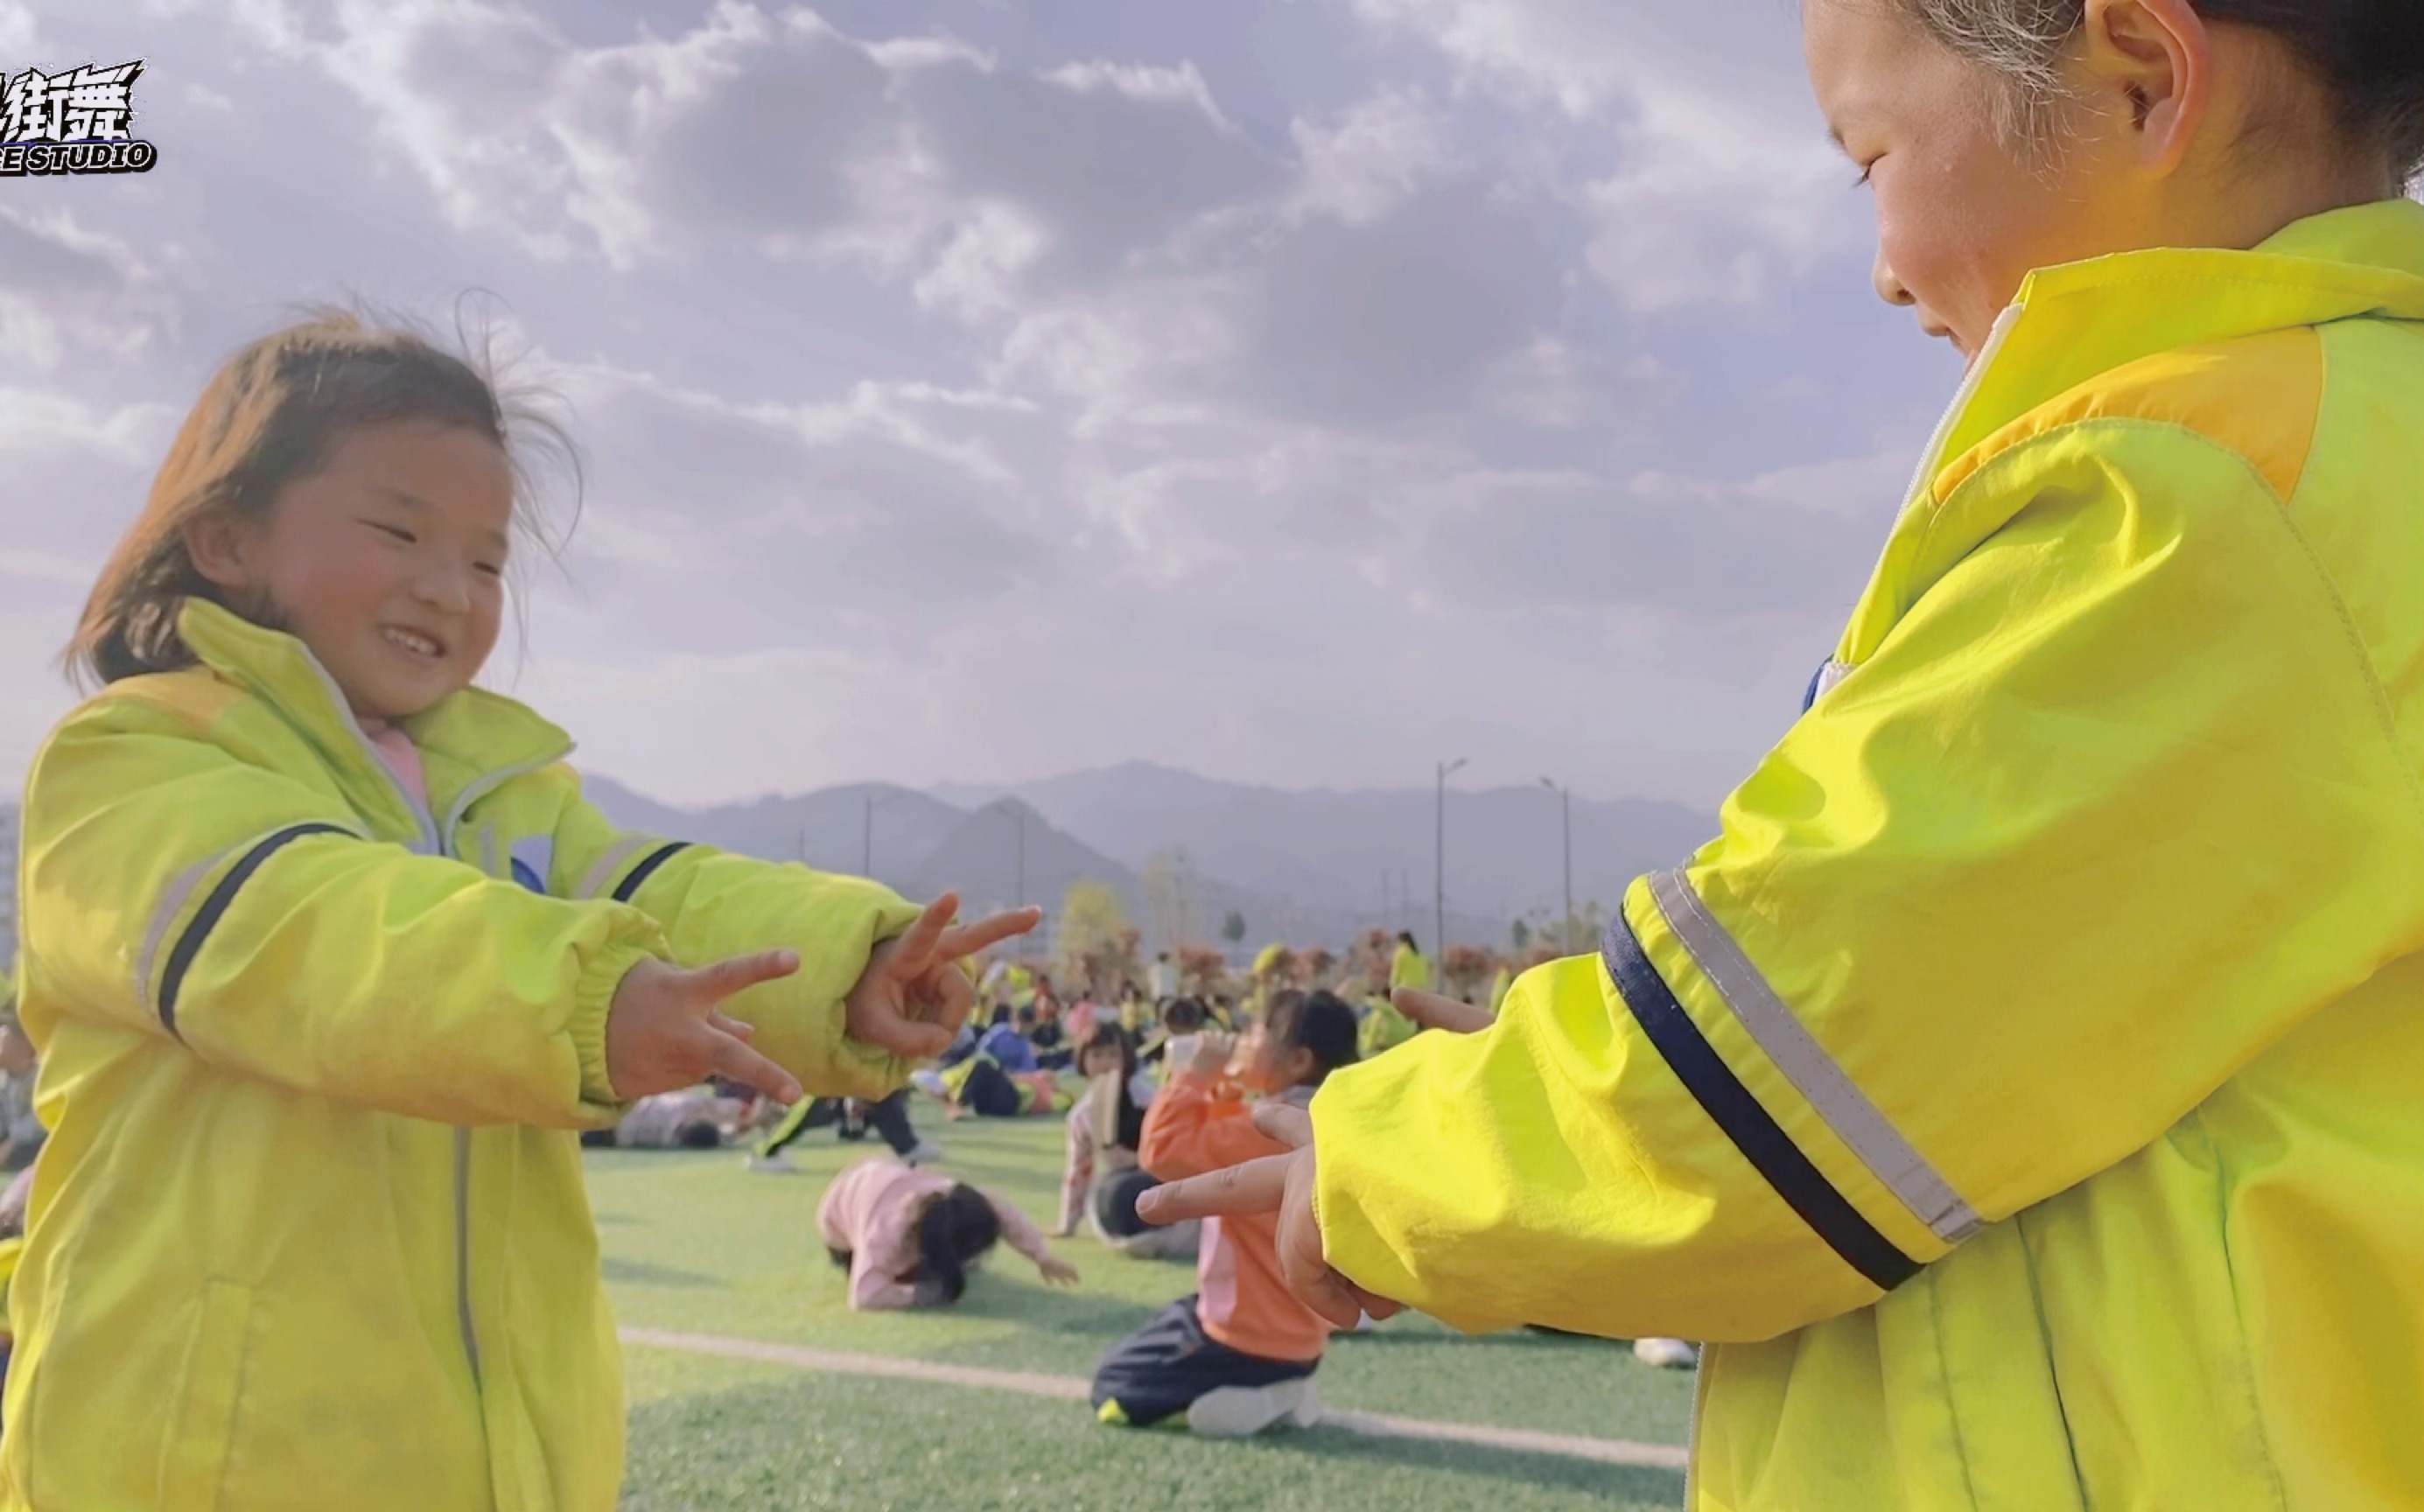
(1184, 851)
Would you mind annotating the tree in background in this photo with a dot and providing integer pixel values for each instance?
(1367, 959)
(1467, 968)
(1313, 966)
(1203, 969)
(1233, 929)
(1275, 966)
(1095, 943)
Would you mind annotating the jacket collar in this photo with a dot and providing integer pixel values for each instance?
(2078, 319)
(471, 736)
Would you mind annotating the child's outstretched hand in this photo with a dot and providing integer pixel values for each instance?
(1058, 1271)
(664, 1030)
(1282, 1184)
(913, 998)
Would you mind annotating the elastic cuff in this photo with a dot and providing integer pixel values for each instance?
(592, 999)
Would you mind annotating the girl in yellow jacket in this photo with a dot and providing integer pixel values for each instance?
(2020, 1089)
(328, 961)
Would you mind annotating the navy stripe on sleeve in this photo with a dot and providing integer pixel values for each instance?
(1764, 1142)
(630, 884)
(189, 944)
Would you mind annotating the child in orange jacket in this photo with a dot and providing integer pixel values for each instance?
(1239, 1356)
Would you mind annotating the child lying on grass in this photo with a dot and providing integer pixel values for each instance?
(909, 1236)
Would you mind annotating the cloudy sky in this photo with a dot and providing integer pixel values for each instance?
(1294, 390)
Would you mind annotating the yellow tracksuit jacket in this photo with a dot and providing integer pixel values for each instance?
(2022, 1091)
(310, 1232)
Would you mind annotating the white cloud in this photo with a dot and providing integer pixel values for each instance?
(66, 289)
(1726, 191)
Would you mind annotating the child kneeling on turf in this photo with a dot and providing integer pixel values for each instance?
(907, 1236)
(1239, 1356)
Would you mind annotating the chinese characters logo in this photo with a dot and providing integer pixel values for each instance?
(79, 121)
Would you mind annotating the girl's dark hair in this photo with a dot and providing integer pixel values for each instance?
(1182, 1015)
(1318, 1023)
(270, 415)
(2369, 55)
(1406, 938)
(955, 1228)
(1127, 1126)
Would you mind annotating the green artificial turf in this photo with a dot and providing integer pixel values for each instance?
(694, 1243)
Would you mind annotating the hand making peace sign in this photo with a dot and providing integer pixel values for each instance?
(913, 998)
(666, 1028)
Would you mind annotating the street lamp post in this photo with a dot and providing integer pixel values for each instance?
(1566, 800)
(1439, 856)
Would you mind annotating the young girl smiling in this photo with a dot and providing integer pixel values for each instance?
(2019, 1090)
(329, 960)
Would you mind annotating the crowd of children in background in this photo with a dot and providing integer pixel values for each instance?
(1152, 1091)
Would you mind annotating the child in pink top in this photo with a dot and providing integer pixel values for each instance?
(907, 1236)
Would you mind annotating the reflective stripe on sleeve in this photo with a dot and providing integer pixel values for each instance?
(1731, 1105)
(630, 886)
(1814, 1074)
(215, 906)
(606, 865)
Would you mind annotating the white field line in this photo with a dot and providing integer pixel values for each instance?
(1069, 1389)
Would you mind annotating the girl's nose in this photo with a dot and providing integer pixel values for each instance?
(445, 589)
(1889, 287)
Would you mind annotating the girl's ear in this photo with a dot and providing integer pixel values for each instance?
(1302, 1064)
(219, 543)
(2152, 60)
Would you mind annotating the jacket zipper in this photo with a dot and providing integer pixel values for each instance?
(445, 833)
(437, 840)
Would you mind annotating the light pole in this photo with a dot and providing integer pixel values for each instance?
(1566, 798)
(866, 832)
(1439, 856)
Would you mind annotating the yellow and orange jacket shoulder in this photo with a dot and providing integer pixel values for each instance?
(310, 1231)
(2021, 1090)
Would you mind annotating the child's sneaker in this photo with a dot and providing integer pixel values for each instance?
(1242, 1412)
(1665, 1353)
(777, 1163)
(925, 1152)
(1307, 1412)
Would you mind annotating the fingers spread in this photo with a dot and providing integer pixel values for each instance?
(726, 978)
(951, 997)
(967, 939)
(1433, 1011)
(906, 1037)
(1255, 1186)
(735, 1061)
(913, 951)
(723, 1023)
(1290, 1126)
(1334, 1299)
